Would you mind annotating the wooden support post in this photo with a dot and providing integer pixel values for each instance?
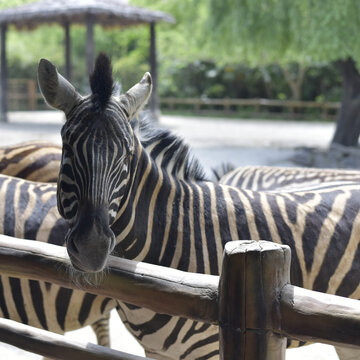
(154, 99)
(31, 87)
(67, 50)
(90, 46)
(253, 274)
(3, 78)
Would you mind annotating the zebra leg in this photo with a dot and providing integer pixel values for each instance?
(347, 353)
(102, 331)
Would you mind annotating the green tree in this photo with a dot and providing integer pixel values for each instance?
(261, 32)
(305, 31)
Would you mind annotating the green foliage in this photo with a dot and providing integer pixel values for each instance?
(184, 40)
(208, 79)
(129, 50)
(215, 48)
(10, 3)
(265, 31)
(26, 47)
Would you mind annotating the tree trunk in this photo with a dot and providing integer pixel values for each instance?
(348, 121)
(295, 81)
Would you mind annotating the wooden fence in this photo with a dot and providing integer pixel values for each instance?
(255, 107)
(254, 281)
(23, 94)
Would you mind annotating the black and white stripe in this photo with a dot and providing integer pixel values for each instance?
(28, 210)
(268, 178)
(185, 224)
(31, 160)
(178, 220)
(167, 213)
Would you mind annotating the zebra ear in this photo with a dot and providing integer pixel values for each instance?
(136, 97)
(56, 90)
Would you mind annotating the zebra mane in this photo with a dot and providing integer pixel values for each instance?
(168, 150)
(101, 82)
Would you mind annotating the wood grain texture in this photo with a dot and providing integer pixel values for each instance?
(313, 316)
(164, 290)
(253, 303)
(56, 346)
(252, 277)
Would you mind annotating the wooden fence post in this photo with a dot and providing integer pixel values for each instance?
(253, 274)
(31, 87)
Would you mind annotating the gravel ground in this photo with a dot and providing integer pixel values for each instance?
(241, 142)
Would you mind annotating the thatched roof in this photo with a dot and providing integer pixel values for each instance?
(104, 12)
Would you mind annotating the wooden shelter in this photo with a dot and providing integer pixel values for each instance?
(109, 13)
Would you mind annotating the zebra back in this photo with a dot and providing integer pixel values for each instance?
(32, 160)
(268, 178)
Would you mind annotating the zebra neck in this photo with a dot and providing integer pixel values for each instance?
(164, 220)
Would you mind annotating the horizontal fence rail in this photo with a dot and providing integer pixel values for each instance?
(252, 295)
(158, 288)
(23, 94)
(56, 346)
(327, 318)
(327, 109)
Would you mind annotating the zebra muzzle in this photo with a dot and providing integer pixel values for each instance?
(89, 242)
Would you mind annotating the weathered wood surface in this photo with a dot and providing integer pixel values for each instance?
(250, 102)
(158, 288)
(253, 275)
(313, 316)
(56, 346)
(154, 98)
(301, 314)
(89, 45)
(258, 104)
(3, 74)
(67, 43)
(106, 13)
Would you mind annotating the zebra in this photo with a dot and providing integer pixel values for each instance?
(268, 178)
(118, 200)
(28, 210)
(40, 161)
(31, 160)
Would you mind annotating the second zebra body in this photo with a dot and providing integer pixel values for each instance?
(267, 178)
(31, 160)
(26, 214)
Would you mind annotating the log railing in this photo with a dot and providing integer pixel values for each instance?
(56, 346)
(252, 301)
(23, 94)
(287, 108)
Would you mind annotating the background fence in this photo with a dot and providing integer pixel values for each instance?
(23, 94)
(255, 107)
(254, 281)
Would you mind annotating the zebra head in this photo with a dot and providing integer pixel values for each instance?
(98, 144)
